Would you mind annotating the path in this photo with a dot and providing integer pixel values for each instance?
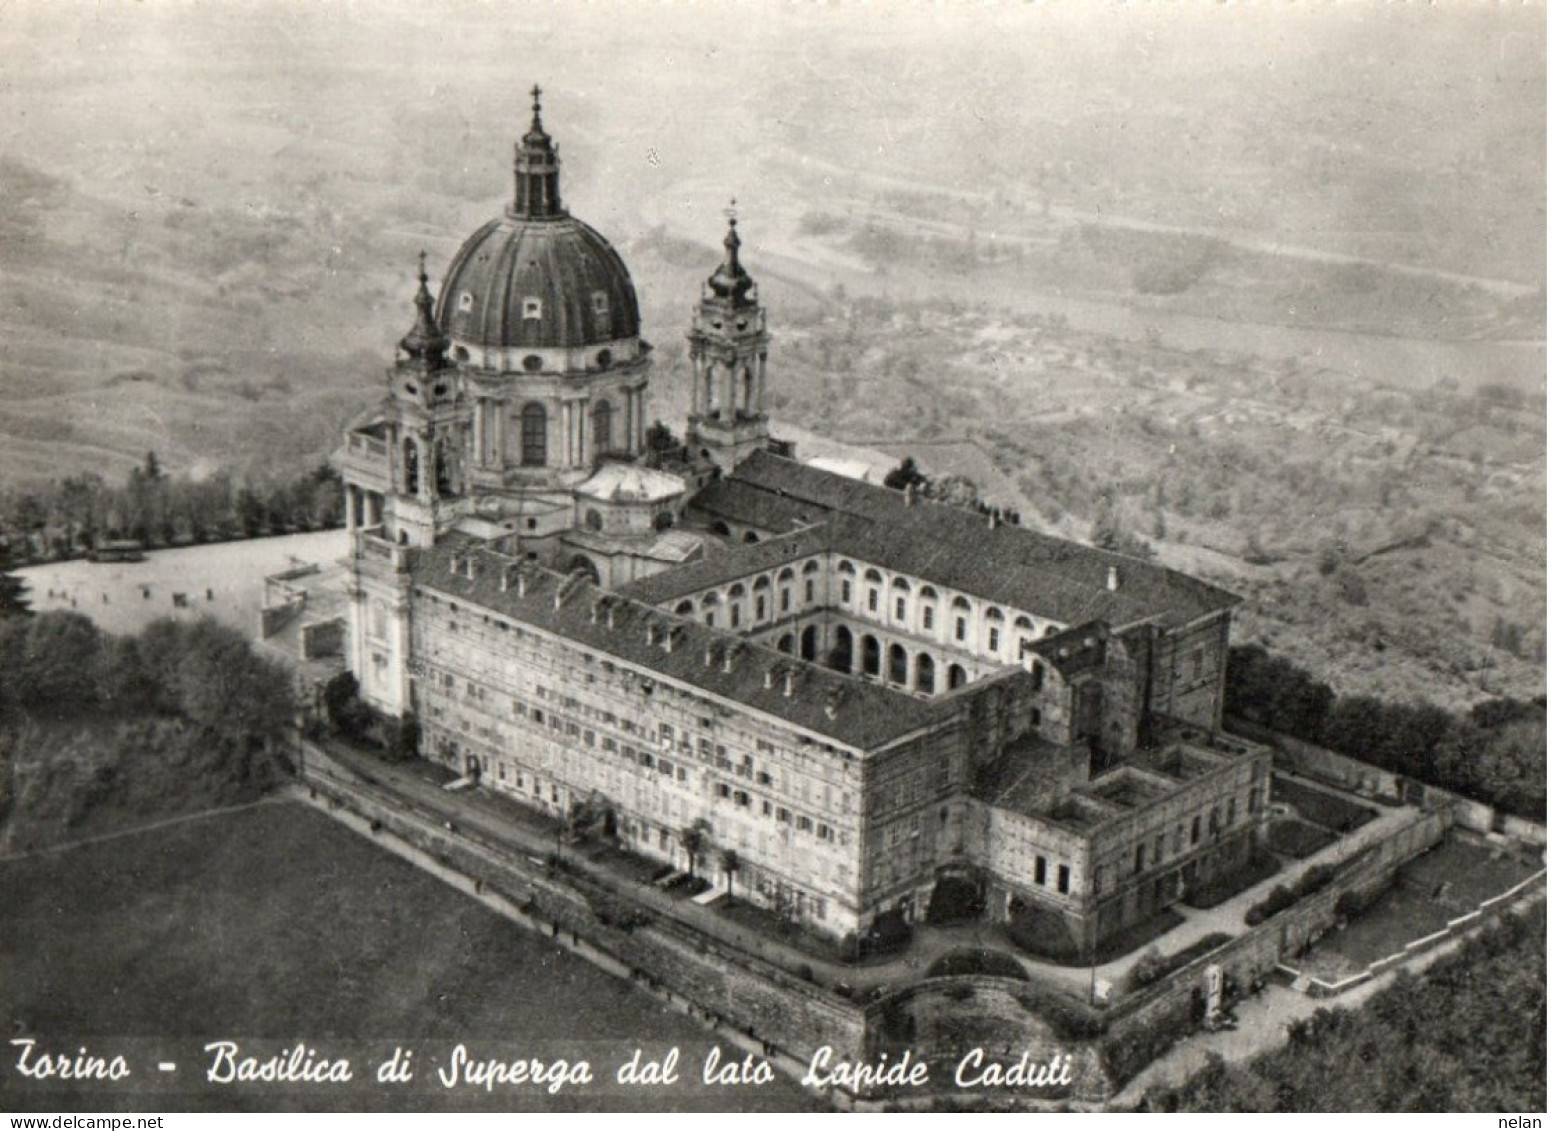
(167, 822)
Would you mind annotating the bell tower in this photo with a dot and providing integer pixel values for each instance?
(728, 345)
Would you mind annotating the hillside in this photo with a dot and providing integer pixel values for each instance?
(1281, 317)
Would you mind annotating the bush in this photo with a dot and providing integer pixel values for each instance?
(888, 934)
(954, 900)
(993, 963)
(1044, 934)
(1146, 970)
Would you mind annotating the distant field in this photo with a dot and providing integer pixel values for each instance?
(139, 592)
(274, 926)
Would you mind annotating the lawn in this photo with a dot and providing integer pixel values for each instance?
(1320, 807)
(274, 926)
(1438, 886)
(1292, 837)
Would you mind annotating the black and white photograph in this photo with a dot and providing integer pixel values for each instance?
(772, 557)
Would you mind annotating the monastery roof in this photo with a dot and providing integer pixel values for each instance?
(958, 548)
(845, 710)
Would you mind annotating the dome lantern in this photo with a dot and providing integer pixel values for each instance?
(537, 171)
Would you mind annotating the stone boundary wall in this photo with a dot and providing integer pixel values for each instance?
(938, 1019)
(1456, 927)
(1143, 1024)
(783, 1016)
(1385, 785)
(941, 1019)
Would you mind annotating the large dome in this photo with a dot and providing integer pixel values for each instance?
(539, 283)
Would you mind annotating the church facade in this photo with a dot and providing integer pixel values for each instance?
(851, 694)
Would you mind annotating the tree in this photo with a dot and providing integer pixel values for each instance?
(13, 590)
(729, 861)
(660, 440)
(906, 475)
(342, 701)
(695, 839)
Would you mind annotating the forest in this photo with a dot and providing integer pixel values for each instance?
(1467, 1035)
(65, 518)
(1494, 752)
(100, 731)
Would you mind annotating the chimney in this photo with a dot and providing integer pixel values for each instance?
(1113, 582)
(770, 674)
(669, 636)
(990, 520)
(791, 681)
(592, 613)
(522, 583)
(609, 614)
(728, 655)
(710, 652)
(468, 567)
(453, 564)
(910, 494)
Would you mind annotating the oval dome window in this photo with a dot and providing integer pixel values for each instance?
(533, 363)
(605, 359)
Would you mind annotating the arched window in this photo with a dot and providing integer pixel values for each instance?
(411, 468)
(785, 575)
(593, 520)
(956, 676)
(926, 674)
(899, 664)
(735, 592)
(685, 608)
(901, 583)
(720, 529)
(994, 613)
(810, 642)
(872, 657)
(786, 644)
(581, 563)
(751, 537)
(761, 582)
(810, 567)
(874, 576)
(535, 439)
(602, 428)
(709, 599)
(840, 655)
(1024, 622)
(847, 567)
(1039, 675)
(444, 485)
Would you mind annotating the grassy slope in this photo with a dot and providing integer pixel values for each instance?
(276, 924)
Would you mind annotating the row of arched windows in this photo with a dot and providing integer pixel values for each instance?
(892, 603)
(762, 599)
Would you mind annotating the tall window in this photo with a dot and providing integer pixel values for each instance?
(535, 422)
(602, 428)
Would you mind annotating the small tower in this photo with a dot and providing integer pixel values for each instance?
(427, 439)
(727, 350)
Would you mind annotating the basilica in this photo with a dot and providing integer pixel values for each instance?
(852, 693)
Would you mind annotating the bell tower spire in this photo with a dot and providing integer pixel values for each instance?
(537, 170)
(728, 345)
